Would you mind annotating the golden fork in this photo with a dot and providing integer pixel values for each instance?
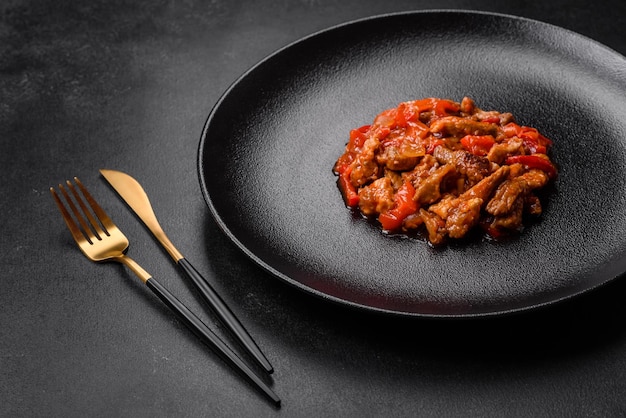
(101, 240)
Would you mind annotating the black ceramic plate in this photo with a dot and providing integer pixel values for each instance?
(268, 147)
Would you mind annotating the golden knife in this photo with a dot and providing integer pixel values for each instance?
(133, 194)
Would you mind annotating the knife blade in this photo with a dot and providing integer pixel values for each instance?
(136, 198)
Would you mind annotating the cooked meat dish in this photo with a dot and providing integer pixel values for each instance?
(443, 167)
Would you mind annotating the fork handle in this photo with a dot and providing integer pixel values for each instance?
(208, 337)
(224, 313)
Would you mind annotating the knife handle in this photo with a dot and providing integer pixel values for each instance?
(225, 314)
(208, 337)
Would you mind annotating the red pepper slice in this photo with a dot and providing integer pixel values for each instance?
(511, 129)
(478, 144)
(404, 114)
(404, 205)
(416, 129)
(432, 144)
(445, 108)
(538, 144)
(532, 139)
(386, 118)
(422, 105)
(358, 137)
(534, 161)
(349, 192)
(407, 112)
(381, 132)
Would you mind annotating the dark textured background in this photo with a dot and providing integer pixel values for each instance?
(128, 85)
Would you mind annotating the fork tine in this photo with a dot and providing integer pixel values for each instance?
(97, 228)
(100, 213)
(87, 232)
(77, 233)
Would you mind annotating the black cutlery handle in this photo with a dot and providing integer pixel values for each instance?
(225, 314)
(209, 338)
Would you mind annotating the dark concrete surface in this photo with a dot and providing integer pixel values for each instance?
(128, 85)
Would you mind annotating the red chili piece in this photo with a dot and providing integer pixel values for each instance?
(478, 144)
(534, 161)
(404, 205)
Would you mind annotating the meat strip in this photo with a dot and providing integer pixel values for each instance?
(471, 166)
(460, 126)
